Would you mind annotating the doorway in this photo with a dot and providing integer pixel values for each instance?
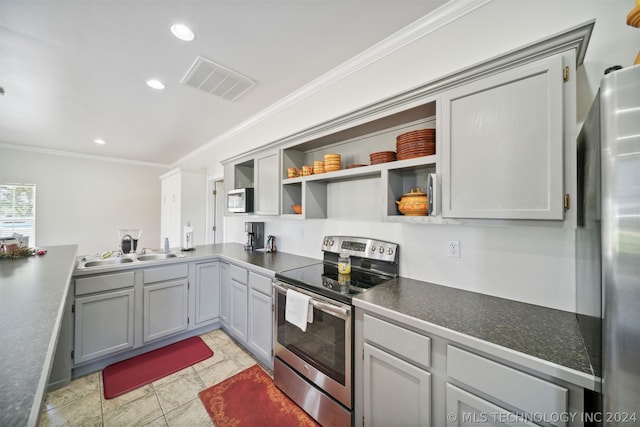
(215, 211)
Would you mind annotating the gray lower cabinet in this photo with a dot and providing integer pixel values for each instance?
(99, 301)
(165, 303)
(239, 310)
(395, 392)
(405, 377)
(465, 409)
(225, 294)
(165, 308)
(246, 309)
(507, 387)
(260, 330)
(396, 382)
(207, 292)
(238, 298)
(120, 311)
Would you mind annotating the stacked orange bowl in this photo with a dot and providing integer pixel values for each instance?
(416, 143)
(318, 167)
(382, 157)
(332, 162)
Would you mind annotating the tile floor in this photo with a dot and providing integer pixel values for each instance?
(170, 401)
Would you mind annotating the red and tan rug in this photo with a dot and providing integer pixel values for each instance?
(250, 398)
(146, 368)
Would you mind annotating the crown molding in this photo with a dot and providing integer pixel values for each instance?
(447, 13)
(62, 153)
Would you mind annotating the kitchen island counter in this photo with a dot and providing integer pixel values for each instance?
(33, 294)
(546, 340)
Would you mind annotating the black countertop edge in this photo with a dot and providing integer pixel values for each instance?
(539, 338)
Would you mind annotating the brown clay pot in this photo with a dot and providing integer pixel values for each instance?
(413, 203)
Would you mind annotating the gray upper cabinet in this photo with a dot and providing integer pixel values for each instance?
(503, 144)
(260, 171)
(267, 184)
(505, 133)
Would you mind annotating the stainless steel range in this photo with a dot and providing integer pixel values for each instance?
(314, 366)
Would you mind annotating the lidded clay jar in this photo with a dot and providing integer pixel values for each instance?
(413, 203)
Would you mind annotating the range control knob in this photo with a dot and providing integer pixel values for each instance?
(390, 251)
(373, 248)
(381, 249)
(330, 242)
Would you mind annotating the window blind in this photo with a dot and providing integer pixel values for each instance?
(18, 211)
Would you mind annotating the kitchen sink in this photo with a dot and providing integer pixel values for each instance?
(126, 259)
(109, 261)
(153, 257)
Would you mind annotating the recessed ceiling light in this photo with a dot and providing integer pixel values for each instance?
(182, 32)
(156, 84)
(100, 141)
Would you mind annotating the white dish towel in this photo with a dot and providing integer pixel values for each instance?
(298, 311)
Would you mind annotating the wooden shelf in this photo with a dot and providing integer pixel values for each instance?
(364, 171)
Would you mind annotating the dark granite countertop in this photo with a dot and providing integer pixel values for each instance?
(270, 263)
(546, 339)
(32, 295)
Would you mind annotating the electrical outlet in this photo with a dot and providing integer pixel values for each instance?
(453, 249)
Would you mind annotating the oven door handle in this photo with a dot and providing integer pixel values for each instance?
(328, 307)
(341, 311)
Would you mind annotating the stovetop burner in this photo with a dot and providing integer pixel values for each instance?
(373, 262)
(324, 279)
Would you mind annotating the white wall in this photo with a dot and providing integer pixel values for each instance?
(530, 264)
(84, 201)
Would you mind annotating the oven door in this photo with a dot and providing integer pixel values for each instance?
(322, 354)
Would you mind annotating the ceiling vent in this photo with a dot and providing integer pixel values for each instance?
(218, 80)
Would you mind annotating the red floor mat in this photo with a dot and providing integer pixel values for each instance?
(138, 371)
(249, 399)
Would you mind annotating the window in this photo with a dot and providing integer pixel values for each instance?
(18, 211)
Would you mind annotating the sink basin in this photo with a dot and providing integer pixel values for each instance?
(153, 257)
(109, 261)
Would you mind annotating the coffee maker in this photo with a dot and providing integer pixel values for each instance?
(255, 235)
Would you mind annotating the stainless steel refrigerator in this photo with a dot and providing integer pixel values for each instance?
(608, 243)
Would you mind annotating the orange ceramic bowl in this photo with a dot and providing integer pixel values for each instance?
(297, 209)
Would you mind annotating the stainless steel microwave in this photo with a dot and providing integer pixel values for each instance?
(240, 200)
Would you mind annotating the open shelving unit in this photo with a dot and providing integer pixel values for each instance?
(354, 145)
